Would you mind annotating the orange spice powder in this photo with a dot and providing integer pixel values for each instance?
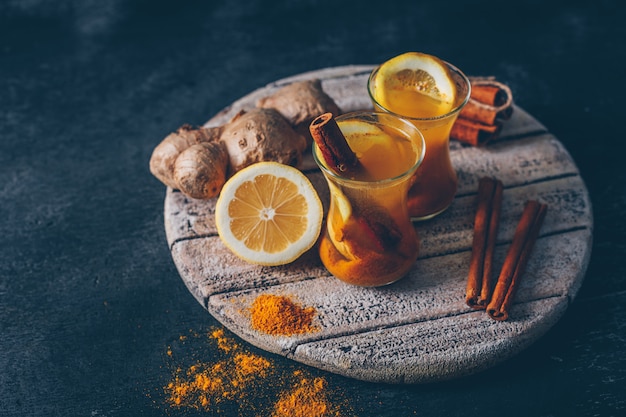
(279, 315)
(307, 398)
(203, 386)
(237, 379)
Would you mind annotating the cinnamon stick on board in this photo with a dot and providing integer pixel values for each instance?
(479, 283)
(480, 121)
(486, 91)
(485, 113)
(516, 259)
(474, 133)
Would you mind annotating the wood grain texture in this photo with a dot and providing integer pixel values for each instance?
(419, 329)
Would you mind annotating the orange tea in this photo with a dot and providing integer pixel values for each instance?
(430, 93)
(369, 239)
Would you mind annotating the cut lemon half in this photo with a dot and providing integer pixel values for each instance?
(268, 214)
(400, 78)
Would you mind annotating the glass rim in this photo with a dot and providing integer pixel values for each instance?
(385, 181)
(440, 117)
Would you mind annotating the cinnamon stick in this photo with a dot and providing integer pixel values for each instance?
(474, 133)
(488, 94)
(485, 113)
(516, 259)
(479, 283)
(480, 120)
(333, 146)
(489, 91)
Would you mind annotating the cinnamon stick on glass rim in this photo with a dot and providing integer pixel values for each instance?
(479, 282)
(333, 146)
(516, 259)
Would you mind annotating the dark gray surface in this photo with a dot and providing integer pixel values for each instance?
(89, 296)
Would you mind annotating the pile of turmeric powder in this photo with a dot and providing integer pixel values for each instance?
(242, 380)
(279, 315)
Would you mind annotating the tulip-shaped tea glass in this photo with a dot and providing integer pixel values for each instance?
(436, 180)
(368, 239)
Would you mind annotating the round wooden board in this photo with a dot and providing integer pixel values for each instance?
(419, 329)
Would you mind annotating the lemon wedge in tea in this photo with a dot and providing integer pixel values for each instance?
(414, 84)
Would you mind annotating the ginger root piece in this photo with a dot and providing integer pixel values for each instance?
(165, 154)
(300, 103)
(261, 135)
(276, 130)
(200, 171)
(198, 161)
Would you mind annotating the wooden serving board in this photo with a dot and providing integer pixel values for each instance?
(419, 329)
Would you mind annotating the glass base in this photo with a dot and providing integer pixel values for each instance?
(429, 216)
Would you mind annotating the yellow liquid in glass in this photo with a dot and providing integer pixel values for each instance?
(411, 103)
(436, 180)
(369, 240)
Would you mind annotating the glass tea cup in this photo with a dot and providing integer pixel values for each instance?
(368, 238)
(436, 180)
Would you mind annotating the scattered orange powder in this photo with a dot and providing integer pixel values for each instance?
(307, 398)
(223, 343)
(236, 380)
(251, 365)
(278, 315)
(204, 385)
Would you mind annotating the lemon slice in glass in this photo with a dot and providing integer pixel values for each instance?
(400, 81)
(372, 146)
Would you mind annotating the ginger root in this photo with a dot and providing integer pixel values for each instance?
(198, 161)
(165, 154)
(300, 103)
(262, 135)
(201, 170)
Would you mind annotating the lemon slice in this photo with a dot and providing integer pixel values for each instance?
(362, 136)
(335, 227)
(268, 214)
(372, 146)
(341, 201)
(415, 72)
(354, 128)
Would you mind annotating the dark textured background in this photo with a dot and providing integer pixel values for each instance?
(90, 299)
